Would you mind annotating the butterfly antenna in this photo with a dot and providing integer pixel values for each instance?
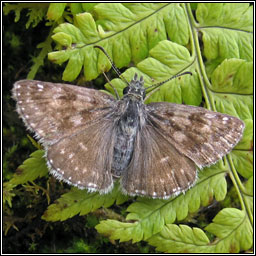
(155, 87)
(116, 93)
(112, 64)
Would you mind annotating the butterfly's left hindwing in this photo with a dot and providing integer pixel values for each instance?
(84, 159)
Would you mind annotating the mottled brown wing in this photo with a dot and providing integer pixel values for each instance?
(54, 111)
(157, 169)
(202, 135)
(84, 158)
(75, 127)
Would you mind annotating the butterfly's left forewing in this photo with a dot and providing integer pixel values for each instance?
(54, 111)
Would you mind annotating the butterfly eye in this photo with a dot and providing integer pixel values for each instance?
(126, 90)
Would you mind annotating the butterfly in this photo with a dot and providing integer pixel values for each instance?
(92, 138)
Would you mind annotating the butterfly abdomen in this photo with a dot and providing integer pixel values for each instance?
(126, 128)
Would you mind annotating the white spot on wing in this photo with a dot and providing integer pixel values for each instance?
(210, 115)
(164, 159)
(83, 146)
(77, 120)
(179, 136)
(205, 128)
(90, 184)
(209, 146)
(40, 86)
(143, 192)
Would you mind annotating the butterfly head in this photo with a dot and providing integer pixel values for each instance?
(135, 89)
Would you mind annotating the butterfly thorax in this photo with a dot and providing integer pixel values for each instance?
(128, 123)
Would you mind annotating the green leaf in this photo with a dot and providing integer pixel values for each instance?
(35, 11)
(168, 59)
(76, 8)
(72, 31)
(249, 194)
(180, 239)
(39, 60)
(228, 15)
(88, 7)
(233, 230)
(131, 29)
(161, 66)
(81, 202)
(63, 39)
(243, 161)
(249, 186)
(235, 105)
(55, 11)
(233, 75)
(227, 30)
(150, 215)
(8, 194)
(74, 66)
(242, 155)
(230, 91)
(32, 168)
(86, 24)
